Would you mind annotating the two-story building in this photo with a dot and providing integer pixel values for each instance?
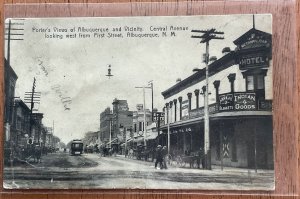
(138, 128)
(240, 106)
(20, 124)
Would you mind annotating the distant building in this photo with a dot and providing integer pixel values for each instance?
(105, 125)
(138, 122)
(20, 126)
(49, 136)
(37, 128)
(91, 138)
(121, 117)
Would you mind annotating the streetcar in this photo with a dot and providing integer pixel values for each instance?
(76, 147)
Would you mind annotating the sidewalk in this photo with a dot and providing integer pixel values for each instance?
(215, 168)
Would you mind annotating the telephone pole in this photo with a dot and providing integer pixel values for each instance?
(32, 98)
(206, 36)
(144, 102)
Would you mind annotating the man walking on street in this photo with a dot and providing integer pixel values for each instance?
(159, 157)
(164, 153)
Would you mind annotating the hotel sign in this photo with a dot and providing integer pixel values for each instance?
(253, 61)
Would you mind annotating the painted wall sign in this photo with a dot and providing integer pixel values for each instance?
(185, 109)
(226, 102)
(237, 101)
(212, 108)
(265, 104)
(244, 101)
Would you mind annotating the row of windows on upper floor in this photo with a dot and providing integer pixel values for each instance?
(254, 82)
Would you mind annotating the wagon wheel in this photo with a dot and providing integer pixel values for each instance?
(173, 161)
(194, 164)
(177, 160)
(180, 162)
(169, 159)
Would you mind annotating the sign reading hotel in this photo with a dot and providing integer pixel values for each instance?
(254, 61)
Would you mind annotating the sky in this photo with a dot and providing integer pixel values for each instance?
(75, 69)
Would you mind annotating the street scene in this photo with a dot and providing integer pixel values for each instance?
(139, 103)
(89, 170)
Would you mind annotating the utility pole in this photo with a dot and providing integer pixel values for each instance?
(32, 98)
(144, 101)
(151, 86)
(206, 36)
(145, 126)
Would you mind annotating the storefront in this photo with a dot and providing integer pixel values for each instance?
(240, 106)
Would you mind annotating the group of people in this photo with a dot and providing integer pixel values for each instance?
(161, 156)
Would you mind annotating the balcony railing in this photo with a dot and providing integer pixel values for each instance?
(239, 101)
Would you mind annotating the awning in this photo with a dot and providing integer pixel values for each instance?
(150, 136)
(218, 116)
(114, 141)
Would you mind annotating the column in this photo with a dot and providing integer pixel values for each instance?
(190, 100)
(217, 85)
(231, 78)
(180, 107)
(175, 109)
(203, 91)
(171, 111)
(197, 97)
(167, 113)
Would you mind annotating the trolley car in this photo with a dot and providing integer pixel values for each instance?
(76, 147)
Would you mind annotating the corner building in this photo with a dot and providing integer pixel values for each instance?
(240, 106)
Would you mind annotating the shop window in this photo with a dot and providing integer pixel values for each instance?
(260, 82)
(256, 82)
(250, 83)
(218, 146)
(19, 124)
(234, 149)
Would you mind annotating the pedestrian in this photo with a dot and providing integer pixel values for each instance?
(126, 152)
(165, 153)
(200, 159)
(159, 156)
